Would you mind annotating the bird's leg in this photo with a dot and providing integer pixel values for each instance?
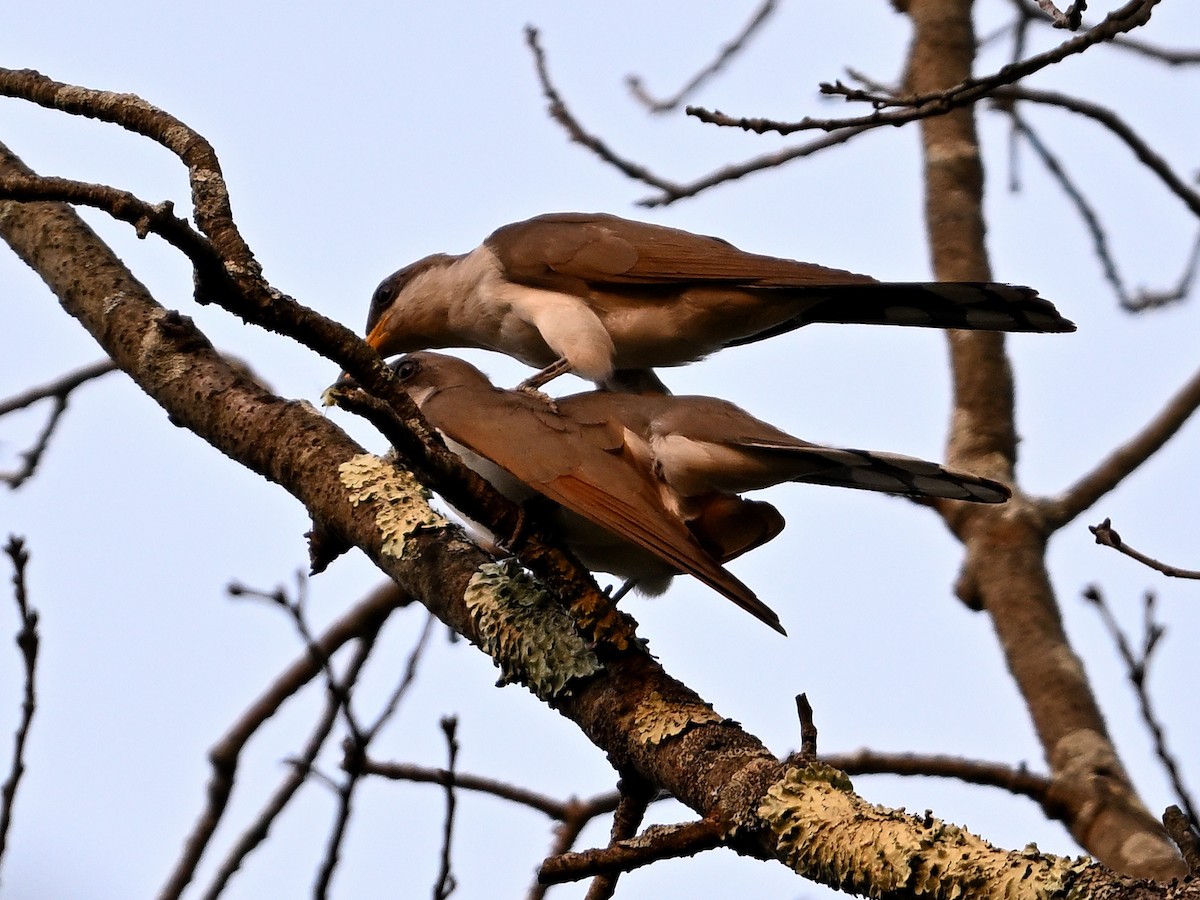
(533, 383)
(624, 589)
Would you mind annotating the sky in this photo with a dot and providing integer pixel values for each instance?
(356, 139)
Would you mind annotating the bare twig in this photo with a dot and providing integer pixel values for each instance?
(1091, 219)
(1000, 775)
(1071, 19)
(728, 51)
(808, 728)
(555, 809)
(670, 190)
(1123, 461)
(1161, 54)
(1119, 128)
(1137, 664)
(1146, 299)
(258, 831)
(446, 883)
(656, 843)
(406, 680)
(337, 834)
(58, 390)
(59, 387)
(919, 106)
(366, 617)
(27, 642)
(1106, 535)
(295, 611)
(576, 816)
(559, 112)
(636, 796)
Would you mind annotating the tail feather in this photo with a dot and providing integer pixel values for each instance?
(975, 306)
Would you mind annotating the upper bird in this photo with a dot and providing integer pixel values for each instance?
(595, 294)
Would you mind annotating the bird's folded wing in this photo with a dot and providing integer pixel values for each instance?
(567, 250)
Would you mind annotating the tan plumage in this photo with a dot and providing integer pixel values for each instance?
(660, 476)
(597, 294)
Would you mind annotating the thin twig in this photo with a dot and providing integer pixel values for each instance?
(1106, 535)
(559, 112)
(909, 108)
(672, 191)
(258, 831)
(554, 809)
(446, 882)
(58, 390)
(1015, 780)
(1058, 511)
(728, 51)
(295, 611)
(406, 680)
(636, 796)
(365, 617)
(27, 642)
(1137, 664)
(59, 387)
(1146, 299)
(1087, 213)
(1070, 19)
(656, 843)
(1146, 154)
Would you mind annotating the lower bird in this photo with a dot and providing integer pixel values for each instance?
(648, 486)
(610, 299)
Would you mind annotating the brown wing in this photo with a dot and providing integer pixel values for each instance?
(557, 458)
(568, 250)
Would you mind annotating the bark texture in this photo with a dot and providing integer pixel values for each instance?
(1005, 570)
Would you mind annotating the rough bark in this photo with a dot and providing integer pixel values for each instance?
(1005, 569)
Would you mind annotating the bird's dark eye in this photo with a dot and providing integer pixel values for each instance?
(407, 369)
(381, 300)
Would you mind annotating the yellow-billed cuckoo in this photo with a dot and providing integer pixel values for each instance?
(596, 294)
(659, 475)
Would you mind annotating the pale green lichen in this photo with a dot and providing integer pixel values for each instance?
(528, 635)
(657, 719)
(827, 833)
(399, 499)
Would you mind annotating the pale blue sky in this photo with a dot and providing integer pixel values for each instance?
(358, 138)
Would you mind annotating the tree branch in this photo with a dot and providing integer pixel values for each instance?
(1122, 462)
(27, 642)
(923, 104)
(728, 51)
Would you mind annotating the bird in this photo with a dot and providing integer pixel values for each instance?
(610, 299)
(649, 486)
